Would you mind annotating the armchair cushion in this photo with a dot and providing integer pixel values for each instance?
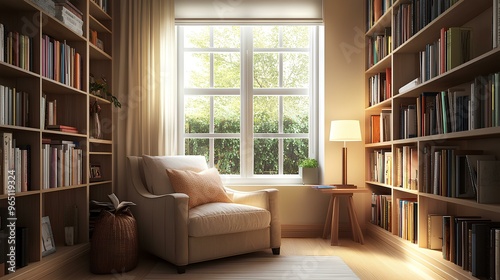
(201, 187)
(223, 218)
(157, 181)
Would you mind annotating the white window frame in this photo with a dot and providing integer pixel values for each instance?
(247, 93)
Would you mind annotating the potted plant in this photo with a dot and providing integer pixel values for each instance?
(308, 170)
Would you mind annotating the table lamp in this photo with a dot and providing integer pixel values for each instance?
(345, 131)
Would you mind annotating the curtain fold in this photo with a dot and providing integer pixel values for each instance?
(144, 80)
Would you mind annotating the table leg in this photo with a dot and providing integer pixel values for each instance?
(355, 236)
(328, 221)
(335, 221)
(354, 220)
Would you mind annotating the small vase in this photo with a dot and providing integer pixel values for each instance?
(95, 121)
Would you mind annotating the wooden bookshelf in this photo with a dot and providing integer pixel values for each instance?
(64, 205)
(404, 59)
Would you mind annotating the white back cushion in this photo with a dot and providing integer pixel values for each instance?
(155, 170)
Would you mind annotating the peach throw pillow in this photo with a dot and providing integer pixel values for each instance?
(201, 187)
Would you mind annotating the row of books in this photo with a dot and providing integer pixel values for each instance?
(379, 46)
(16, 48)
(381, 213)
(412, 16)
(61, 62)
(14, 165)
(104, 4)
(14, 106)
(375, 10)
(62, 163)
(380, 166)
(451, 49)
(465, 107)
(452, 172)
(397, 168)
(94, 39)
(380, 87)
(380, 126)
(49, 116)
(408, 219)
(407, 215)
(471, 242)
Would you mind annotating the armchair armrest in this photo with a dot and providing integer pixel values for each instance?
(162, 219)
(267, 199)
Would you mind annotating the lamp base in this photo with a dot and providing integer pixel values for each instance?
(344, 186)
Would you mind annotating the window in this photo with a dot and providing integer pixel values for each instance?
(247, 97)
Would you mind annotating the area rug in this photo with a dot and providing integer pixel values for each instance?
(260, 267)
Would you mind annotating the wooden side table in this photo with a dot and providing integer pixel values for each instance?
(332, 216)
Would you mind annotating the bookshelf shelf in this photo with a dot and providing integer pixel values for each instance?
(97, 25)
(55, 28)
(426, 193)
(98, 54)
(46, 191)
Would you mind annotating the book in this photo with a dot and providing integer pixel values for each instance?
(497, 254)
(59, 4)
(2, 42)
(22, 257)
(410, 85)
(6, 159)
(62, 128)
(119, 206)
(467, 242)
(496, 25)
(375, 128)
(448, 237)
(323, 187)
(491, 240)
(480, 248)
(472, 167)
(488, 181)
(463, 180)
(458, 48)
(434, 231)
(385, 124)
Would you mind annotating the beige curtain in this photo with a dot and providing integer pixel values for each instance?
(144, 80)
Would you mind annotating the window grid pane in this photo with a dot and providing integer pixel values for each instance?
(280, 119)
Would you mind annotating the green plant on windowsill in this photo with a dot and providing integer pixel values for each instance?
(100, 88)
(308, 163)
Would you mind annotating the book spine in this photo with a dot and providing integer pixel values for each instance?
(2, 42)
(497, 254)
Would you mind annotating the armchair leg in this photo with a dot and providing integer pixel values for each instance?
(276, 251)
(181, 269)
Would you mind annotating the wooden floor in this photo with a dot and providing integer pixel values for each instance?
(372, 260)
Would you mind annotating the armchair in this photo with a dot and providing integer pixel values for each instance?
(171, 230)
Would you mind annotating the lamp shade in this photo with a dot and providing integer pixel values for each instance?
(345, 130)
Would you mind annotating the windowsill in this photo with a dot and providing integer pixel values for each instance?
(262, 181)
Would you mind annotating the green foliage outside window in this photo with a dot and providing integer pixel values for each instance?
(226, 109)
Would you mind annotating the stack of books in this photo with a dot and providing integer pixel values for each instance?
(69, 15)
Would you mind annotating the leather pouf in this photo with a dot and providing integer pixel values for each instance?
(114, 244)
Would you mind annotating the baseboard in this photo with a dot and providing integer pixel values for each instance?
(301, 231)
(430, 259)
(57, 261)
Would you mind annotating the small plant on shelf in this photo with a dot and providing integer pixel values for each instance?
(100, 88)
(308, 163)
(308, 170)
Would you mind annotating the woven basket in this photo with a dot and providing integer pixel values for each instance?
(114, 244)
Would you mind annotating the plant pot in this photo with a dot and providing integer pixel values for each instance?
(309, 175)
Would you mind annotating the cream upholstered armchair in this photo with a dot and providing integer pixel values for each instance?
(184, 229)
